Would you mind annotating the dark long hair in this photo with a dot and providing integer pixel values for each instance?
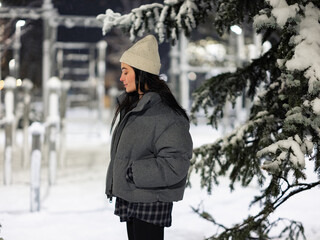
(154, 84)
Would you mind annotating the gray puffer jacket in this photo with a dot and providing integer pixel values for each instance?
(155, 142)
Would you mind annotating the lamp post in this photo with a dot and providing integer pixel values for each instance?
(102, 47)
(53, 123)
(240, 44)
(10, 85)
(27, 86)
(48, 10)
(17, 46)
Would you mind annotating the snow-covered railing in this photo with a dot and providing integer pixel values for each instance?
(65, 86)
(27, 86)
(53, 126)
(37, 131)
(21, 12)
(12, 116)
(92, 70)
(9, 86)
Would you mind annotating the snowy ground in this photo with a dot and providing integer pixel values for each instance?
(77, 209)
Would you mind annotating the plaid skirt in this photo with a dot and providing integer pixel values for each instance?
(157, 213)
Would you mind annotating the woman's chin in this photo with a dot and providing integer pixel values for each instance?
(130, 91)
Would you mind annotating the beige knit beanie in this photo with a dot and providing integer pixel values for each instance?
(143, 55)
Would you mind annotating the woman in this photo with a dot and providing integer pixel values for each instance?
(151, 146)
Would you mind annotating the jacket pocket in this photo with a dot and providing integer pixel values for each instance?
(180, 184)
(129, 174)
(119, 171)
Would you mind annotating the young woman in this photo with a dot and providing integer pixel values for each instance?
(151, 146)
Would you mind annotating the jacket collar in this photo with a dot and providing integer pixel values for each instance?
(148, 99)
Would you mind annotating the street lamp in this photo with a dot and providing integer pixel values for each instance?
(12, 67)
(240, 44)
(20, 23)
(236, 29)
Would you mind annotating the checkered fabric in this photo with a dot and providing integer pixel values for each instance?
(157, 213)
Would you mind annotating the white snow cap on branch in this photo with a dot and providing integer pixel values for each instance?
(316, 106)
(262, 20)
(307, 50)
(111, 19)
(186, 12)
(238, 134)
(289, 146)
(160, 25)
(155, 17)
(282, 11)
(272, 166)
(307, 41)
(171, 2)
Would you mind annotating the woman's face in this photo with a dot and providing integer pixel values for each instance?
(128, 78)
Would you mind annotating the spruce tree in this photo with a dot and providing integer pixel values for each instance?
(283, 128)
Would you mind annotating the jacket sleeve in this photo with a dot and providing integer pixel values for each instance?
(173, 151)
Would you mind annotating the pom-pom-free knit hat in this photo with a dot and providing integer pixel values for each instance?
(143, 55)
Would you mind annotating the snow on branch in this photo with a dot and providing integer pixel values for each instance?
(166, 19)
(306, 42)
(279, 15)
(239, 133)
(186, 11)
(307, 48)
(282, 11)
(303, 22)
(290, 148)
(128, 21)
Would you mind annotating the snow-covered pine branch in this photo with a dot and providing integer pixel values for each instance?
(235, 153)
(291, 94)
(302, 116)
(289, 149)
(307, 48)
(130, 22)
(217, 91)
(167, 20)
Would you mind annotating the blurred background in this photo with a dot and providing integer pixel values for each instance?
(40, 39)
(59, 77)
